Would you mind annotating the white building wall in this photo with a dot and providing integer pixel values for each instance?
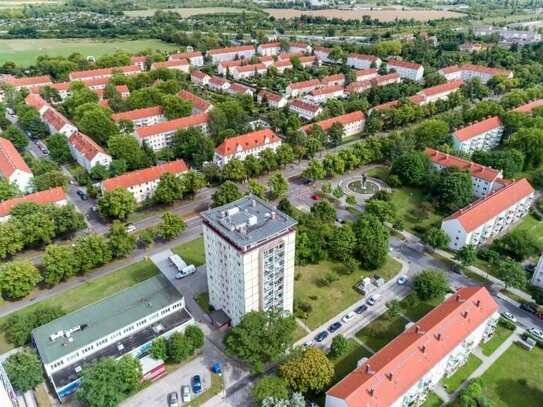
(484, 141)
(268, 51)
(407, 73)
(149, 121)
(22, 179)
(230, 56)
(358, 63)
(306, 114)
(243, 154)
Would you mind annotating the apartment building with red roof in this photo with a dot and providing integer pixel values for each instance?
(528, 107)
(231, 53)
(96, 83)
(325, 93)
(178, 64)
(195, 58)
(104, 73)
(304, 109)
(29, 81)
(299, 47)
(248, 71)
(199, 78)
(13, 167)
(283, 65)
(159, 136)
(147, 116)
(332, 80)
(407, 70)
(242, 146)
(441, 92)
(143, 183)
(122, 89)
(357, 87)
(289, 55)
(471, 47)
(489, 216)
(363, 61)
(199, 105)
(309, 61)
(57, 123)
(353, 123)
(38, 102)
(485, 180)
(140, 62)
(239, 89)
(63, 89)
(225, 67)
(483, 135)
(218, 84)
(273, 100)
(323, 53)
(366, 74)
(467, 72)
(86, 152)
(299, 88)
(402, 373)
(50, 196)
(383, 80)
(269, 48)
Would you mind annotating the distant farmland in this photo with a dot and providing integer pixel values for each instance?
(22, 3)
(382, 15)
(186, 12)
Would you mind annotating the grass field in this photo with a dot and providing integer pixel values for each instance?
(25, 52)
(419, 308)
(4, 4)
(192, 252)
(187, 12)
(90, 292)
(503, 380)
(455, 381)
(500, 335)
(381, 331)
(530, 225)
(203, 301)
(347, 363)
(331, 300)
(432, 400)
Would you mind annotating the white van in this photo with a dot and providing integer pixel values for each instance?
(374, 299)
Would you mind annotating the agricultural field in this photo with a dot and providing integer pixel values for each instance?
(382, 15)
(21, 3)
(25, 52)
(186, 12)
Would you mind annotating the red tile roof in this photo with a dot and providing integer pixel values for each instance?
(270, 45)
(55, 119)
(485, 69)
(358, 86)
(392, 371)
(528, 107)
(197, 102)
(327, 90)
(450, 69)
(134, 178)
(247, 141)
(122, 89)
(96, 82)
(186, 55)
(238, 88)
(250, 68)
(387, 105)
(10, 159)
(36, 100)
(416, 99)
(103, 72)
(217, 81)
(283, 63)
(309, 58)
(232, 64)
(403, 64)
(444, 87)
(141, 59)
(309, 107)
(297, 44)
(365, 57)
(230, 50)
(265, 58)
(44, 197)
(486, 208)
(476, 170)
(85, 145)
(323, 49)
(476, 129)
(172, 125)
(29, 81)
(288, 55)
(333, 78)
(312, 83)
(170, 64)
(364, 72)
(138, 113)
(59, 86)
(343, 119)
(199, 74)
(270, 96)
(378, 80)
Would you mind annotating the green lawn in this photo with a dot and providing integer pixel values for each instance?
(415, 309)
(530, 225)
(192, 252)
(381, 331)
(455, 381)
(40, 392)
(90, 292)
(203, 301)
(500, 335)
(216, 387)
(347, 363)
(331, 300)
(432, 400)
(501, 380)
(25, 52)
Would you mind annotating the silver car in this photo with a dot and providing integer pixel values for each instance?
(185, 393)
(174, 401)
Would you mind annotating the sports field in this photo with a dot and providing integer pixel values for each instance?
(186, 12)
(25, 52)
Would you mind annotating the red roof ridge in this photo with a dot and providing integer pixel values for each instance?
(404, 64)
(477, 128)
(304, 84)
(138, 177)
(85, 145)
(476, 169)
(247, 68)
(48, 196)
(228, 50)
(138, 113)
(528, 107)
(197, 102)
(310, 107)
(246, 141)
(10, 159)
(326, 90)
(344, 119)
(167, 64)
(444, 87)
(363, 56)
(172, 125)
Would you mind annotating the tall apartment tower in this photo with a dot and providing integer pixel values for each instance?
(249, 247)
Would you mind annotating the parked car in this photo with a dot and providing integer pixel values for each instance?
(339, 219)
(536, 332)
(527, 308)
(309, 343)
(84, 197)
(361, 308)
(10, 111)
(348, 317)
(457, 270)
(80, 192)
(334, 327)
(374, 299)
(321, 336)
(539, 315)
(402, 280)
(509, 316)
(316, 197)
(185, 393)
(196, 384)
(174, 401)
(130, 228)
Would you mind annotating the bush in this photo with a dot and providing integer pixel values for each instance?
(398, 224)
(339, 346)
(331, 276)
(297, 276)
(510, 325)
(394, 181)
(522, 381)
(314, 297)
(19, 326)
(489, 255)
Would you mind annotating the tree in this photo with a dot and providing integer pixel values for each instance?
(278, 184)
(121, 243)
(195, 335)
(18, 278)
(260, 337)
(8, 190)
(116, 204)
(436, 238)
(227, 192)
(175, 107)
(159, 349)
(310, 370)
(57, 144)
(338, 55)
(394, 308)
(268, 160)
(59, 263)
(19, 326)
(385, 211)
(430, 283)
(179, 347)
(372, 238)
(517, 244)
(314, 170)
(284, 154)
(350, 200)
(90, 251)
(169, 189)
(431, 133)
(252, 165)
(296, 400)
(192, 145)
(126, 147)
(339, 346)
(336, 133)
(193, 182)
(24, 369)
(234, 170)
(453, 189)
(324, 211)
(466, 255)
(256, 188)
(12, 239)
(333, 164)
(285, 206)
(411, 167)
(343, 243)
(512, 274)
(313, 146)
(50, 180)
(529, 141)
(269, 386)
(171, 226)
(37, 228)
(99, 172)
(16, 136)
(98, 125)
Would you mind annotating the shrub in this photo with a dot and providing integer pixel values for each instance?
(522, 381)
(507, 324)
(394, 181)
(314, 297)
(331, 276)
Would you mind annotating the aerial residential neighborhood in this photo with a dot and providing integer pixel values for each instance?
(271, 203)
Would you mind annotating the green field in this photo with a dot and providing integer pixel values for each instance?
(25, 52)
(432, 400)
(192, 252)
(379, 332)
(186, 12)
(90, 292)
(347, 363)
(455, 381)
(500, 335)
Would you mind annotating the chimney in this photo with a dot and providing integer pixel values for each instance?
(253, 203)
(371, 391)
(272, 216)
(423, 348)
(459, 298)
(369, 371)
(419, 331)
(465, 314)
(478, 303)
(438, 336)
(389, 376)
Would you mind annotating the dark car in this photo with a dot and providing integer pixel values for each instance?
(456, 269)
(80, 192)
(321, 336)
(196, 384)
(360, 309)
(334, 327)
(83, 197)
(528, 308)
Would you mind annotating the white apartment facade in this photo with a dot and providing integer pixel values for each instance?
(441, 92)
(241, 147)
(353, 123)
(299, 47)
(13, 167)
(86, 152)
(363, 75)
(249, 248)
(195, 58)
(304, 109)
(321, 95)
(248, 71)
(363, 61)
(406, 70)
(269, 49)
(467, 72)
(142, 117)
(199, 78)
(299, 88)
(218, 84)
(484, 135)
(177, 64)
(231, 53)
(273, 100)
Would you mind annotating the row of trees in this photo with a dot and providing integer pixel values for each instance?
(179, 346)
